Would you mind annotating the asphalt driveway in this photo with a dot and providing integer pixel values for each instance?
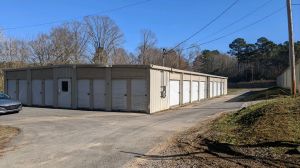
(70, 138)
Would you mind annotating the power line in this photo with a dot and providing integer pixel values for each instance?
(238, 30)
(208, 24)
(60, 21)
(238, 20)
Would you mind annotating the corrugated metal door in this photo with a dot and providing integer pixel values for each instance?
(186, 92)
(12, 88)
(195, 91)
(211, 89)
(202, 90)
(37, 92)
(174, 92)
(83, 93)
(215, 89)
(119, 95)
(222, 88)
(218, 89)
(64, 93)
(49, 92)
(23, 91)
(99, 94)
(138, 95)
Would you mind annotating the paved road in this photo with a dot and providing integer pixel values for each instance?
(69, 138)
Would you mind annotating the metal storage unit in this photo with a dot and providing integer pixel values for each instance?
(99, 94)
(23, 91)
(174, 93)
(119, 95)
(138, 95)
(195, 91)
(12, 88)
(186, 89)
(83, 94)
(215, 92)
(202, 90)
(141, 88)
(49, 92)
(211, 89)
(37, 92)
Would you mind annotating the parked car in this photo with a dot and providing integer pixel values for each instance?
(8, 105)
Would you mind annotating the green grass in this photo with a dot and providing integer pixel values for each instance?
(265, 94)
(274, 122)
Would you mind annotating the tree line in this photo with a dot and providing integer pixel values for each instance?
(99, 40)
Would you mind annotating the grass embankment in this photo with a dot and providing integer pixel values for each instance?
(271, 93)
(263, 135)
(6, 134)
(272, 126)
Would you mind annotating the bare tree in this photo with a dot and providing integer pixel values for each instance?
(41, 49)
(105, 36)
(147, 46)
(13, 50)
(120, 56)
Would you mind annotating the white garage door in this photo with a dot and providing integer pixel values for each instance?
(202, 90)
(174, 92)
(64, 93)
(99, 94)
(83, 93)
(37, 92)
(211, 89)
(23, 91)
(222, 88)
(119, 95)
(12, 88)
(215, 89)
(138, 95)
(218, 89)
(49, 92)
(195, 91)
(186, 92)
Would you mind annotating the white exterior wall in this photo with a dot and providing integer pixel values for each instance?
(158, 103)
(284, 80)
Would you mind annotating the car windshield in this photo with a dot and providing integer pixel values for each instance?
(3, 96)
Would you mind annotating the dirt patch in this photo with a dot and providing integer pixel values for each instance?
(262, 135)
(6, 135)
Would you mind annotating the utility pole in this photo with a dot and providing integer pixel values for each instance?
(291, 47)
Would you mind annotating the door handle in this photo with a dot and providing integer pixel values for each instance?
(125, 94)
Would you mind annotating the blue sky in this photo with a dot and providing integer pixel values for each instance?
(171, 20)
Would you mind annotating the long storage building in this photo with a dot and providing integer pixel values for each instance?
(140, 88)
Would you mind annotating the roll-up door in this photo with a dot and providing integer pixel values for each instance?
(218, 89)
(202, 90)
(99, 94)
(64, 93)
(195, 91)
(186, 92)
(37, 92)
(23, 91)
(49, 92)
(83, 93)
(215, 92)
(119, 95)
(138, 95)
(12, 88)
(222, 88)
(174, 92)
(211, 89)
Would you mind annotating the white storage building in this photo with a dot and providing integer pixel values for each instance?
(141, 88)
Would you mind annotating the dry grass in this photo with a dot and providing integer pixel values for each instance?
(6, 134)
(263, 135)
(271, 93)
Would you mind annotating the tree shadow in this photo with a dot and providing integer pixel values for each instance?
(207, 149)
